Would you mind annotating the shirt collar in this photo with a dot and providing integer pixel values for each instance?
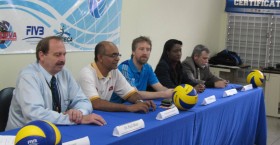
(99, 74)
(133, 67)
(46, 74)
(196, 65)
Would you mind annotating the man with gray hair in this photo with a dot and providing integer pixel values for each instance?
(197, 69)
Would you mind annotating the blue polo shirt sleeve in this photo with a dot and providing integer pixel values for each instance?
(127, 73)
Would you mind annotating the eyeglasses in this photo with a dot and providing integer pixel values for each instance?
(114, 55)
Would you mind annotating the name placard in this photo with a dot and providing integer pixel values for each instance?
(128, 127)
(229, 92)
(167, 113)
(209, 100)
(7, 139)
(247, 87)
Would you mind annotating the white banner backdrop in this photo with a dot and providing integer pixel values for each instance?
(81, 23)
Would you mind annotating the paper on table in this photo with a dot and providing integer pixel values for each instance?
(247, 87)
(167, 113)
(128, 127)
(7, 139)
(229, 92)
(80, 141)
(209, 100)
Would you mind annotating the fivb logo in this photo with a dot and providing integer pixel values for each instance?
(34, 32)
(32, 142)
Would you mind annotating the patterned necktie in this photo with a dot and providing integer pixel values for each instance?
(198, 73)
(55, 95)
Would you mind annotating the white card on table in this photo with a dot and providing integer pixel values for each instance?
(167, 113)
(229, 92)
(209, 100)
(7, 139)
(247, 87)
(128, 127)
(83, 141)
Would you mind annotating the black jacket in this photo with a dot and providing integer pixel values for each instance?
(170, 78)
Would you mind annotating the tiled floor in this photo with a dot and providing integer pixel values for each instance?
(273, 131)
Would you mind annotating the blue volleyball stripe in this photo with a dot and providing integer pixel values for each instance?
(47, 129)
(185, 105)
(253, 82)
(192, 93)
(183, 85)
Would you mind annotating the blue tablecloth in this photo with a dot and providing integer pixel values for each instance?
(172, 131)
(236, 120)
(175, 130)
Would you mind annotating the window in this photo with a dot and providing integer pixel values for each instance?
(255, 37)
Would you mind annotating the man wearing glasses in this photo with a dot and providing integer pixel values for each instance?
(101, 78)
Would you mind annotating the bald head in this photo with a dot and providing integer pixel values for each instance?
(101, 48)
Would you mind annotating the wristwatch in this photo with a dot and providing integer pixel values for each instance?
(139, 101)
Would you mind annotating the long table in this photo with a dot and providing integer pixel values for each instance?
(236, 120)
(155, 132)
(239, 119)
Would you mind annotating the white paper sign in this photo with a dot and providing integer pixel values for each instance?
(229, 92)
(7, 139)
(209, 100)
(128, 127)
(247, 87)
(167, 113)
(80, 141)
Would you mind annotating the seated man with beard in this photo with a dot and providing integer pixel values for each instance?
(140, 74)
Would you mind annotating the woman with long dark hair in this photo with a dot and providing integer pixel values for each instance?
(169, 69)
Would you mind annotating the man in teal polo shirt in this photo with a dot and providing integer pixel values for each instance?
(140, 74)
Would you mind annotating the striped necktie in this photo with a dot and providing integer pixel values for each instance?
(55, 95)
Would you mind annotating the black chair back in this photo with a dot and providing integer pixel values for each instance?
(5, 101)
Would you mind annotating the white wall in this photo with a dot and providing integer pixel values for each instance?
(191, 21)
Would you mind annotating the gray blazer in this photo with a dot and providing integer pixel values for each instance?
(206, 77)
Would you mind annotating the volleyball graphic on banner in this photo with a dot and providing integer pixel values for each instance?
(184, 97)
(97, 7)
(256, 78)
(38, 132)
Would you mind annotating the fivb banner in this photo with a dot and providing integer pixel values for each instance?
(254, 6)
(81, 23)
